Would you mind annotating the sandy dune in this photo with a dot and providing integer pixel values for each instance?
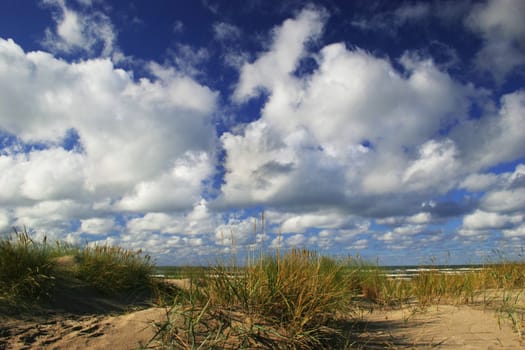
(439, 327)
(81, 332)
(94, 323)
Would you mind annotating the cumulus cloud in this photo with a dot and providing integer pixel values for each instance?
(321, 219)
(501, 26)
(480, 220)
(415, 219)
(51, 174)
(504, 200)
(51, 217)
(437, 161)
(236, 233)
(479, 182)
(197, 220)
(353, 129)
(501, 205)
(158, 121)
(496, 137)
(78, 31)
(141, 145)
(97, 226)
(515, 232)
(178, 189)
(281, 60)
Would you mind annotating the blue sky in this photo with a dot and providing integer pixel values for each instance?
(389, 129)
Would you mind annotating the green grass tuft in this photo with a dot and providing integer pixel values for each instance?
(286, 301)
(34, 273)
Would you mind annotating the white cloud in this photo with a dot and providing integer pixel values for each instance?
(408, 230)
(416, 219)
(348, 130)
(480, 220)
(386, 237)
(281, 60)
(196, 221)
(236, 233)
(409, 13)
(225, 31)
(97, 226)
(152, 222)
(500, 24)
(420, 218)
(188, 59)
(5, 221)
(360, 244)
(177, 189)
(52, 218)
(295, 241)
(496, 137)
(76, 31)
(320, 219)
(515, 232)
(479, 182)
(437, 161)
(142, 145)
(504, 200)
(42, 175)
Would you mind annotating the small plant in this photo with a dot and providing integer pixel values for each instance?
(508, 310)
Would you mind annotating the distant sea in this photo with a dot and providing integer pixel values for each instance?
(392, 271)
(407, 272)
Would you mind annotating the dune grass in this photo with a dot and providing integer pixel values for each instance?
(280, 301)
(26, 269)
(301, 300)
(32, 273)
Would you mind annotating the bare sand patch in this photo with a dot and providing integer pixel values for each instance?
(438, 327)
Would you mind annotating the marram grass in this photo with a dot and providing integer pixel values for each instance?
(26, 269)
(301, 300)
(281, 301)
(31, 272)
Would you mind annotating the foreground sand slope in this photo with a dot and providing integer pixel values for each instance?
(438, 327)
(81, 332)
